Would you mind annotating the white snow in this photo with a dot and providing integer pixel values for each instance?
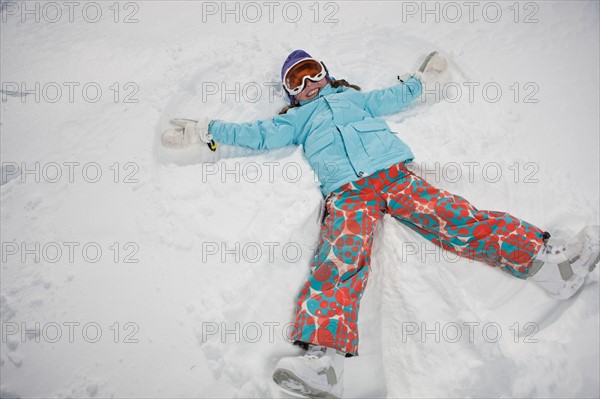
(183, 320)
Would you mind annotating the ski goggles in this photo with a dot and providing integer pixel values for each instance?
(295, 78)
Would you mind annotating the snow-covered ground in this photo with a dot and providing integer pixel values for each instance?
(131, 271)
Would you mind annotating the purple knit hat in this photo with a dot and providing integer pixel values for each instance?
(294, 57)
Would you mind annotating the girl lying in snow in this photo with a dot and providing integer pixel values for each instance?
(361, 166)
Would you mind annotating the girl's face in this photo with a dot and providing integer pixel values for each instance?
(311, 89)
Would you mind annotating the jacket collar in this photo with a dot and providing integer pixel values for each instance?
(327, 89)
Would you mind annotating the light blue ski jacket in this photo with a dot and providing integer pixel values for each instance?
(340, 130)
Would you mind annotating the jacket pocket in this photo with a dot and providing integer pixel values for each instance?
(375, 136)
(370, 125)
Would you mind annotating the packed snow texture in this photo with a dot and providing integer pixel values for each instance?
(174, 273)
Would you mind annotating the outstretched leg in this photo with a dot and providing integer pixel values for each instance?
(327, 306)
(450, 221)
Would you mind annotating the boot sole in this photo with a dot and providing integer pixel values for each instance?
(285, 377)
(591, 251)
(594, 263)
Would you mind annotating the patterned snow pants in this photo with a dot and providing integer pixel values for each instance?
(327, 305)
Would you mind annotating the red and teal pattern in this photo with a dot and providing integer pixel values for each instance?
(327, 306)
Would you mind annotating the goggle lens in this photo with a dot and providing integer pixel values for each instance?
(296, 77)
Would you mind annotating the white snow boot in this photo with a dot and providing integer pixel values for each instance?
(561, 269)
(317, 374)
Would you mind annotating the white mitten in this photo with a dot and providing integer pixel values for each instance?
(433, 70)
(187, 132)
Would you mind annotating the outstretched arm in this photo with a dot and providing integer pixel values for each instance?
(277, 132)
(393, 99)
